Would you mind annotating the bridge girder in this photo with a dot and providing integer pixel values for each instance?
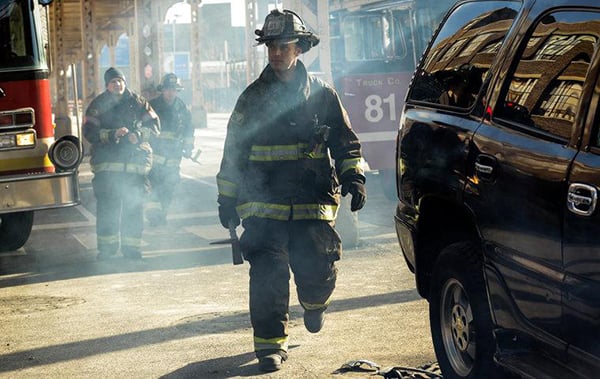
(79, 29)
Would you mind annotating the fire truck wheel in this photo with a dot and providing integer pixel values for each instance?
(15, 229)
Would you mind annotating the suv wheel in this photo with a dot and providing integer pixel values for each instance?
(461, 324)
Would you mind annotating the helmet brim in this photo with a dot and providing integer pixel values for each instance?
(161, 88)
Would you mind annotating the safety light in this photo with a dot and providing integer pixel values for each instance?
(6, 120)
(25, 139)
(19, 118)
(7, 141)
(24, 118)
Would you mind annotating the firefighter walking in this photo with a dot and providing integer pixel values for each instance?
(118, 125)
(289, 146)
(176, 140)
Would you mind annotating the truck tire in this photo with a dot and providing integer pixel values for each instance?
(15, 229)
(460, 320)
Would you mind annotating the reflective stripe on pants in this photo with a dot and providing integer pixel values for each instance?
(309, 248)
(119, 210)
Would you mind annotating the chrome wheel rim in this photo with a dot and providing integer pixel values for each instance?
(458, 332)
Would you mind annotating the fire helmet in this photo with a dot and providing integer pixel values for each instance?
(170, 81)
(286, 25)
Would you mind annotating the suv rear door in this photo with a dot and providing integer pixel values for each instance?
(581, 306)
(521, 160)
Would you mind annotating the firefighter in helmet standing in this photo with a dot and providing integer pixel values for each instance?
(288, 147)
(118, 125)
(176, 140)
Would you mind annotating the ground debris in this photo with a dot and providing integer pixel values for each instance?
(427, 371)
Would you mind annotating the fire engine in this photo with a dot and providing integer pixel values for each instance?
(37, 171)
(369, 50)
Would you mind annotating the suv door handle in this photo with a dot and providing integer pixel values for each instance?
(483, 169)
(582, 198)
(485, 166)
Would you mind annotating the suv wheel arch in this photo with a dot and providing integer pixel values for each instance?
(441, 223)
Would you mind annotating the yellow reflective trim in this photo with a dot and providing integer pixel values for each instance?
(326, 212)
(226, 188)
(277, 343)
(106, 135)
(277, 152)
(264, 210)
(158, 159)
(173, 163)
(167, 135)
(351, 164)
(161, 160)
(315, 306)
(131, 242)
(121, 167)
(152, 205)
(317, 153)
(108, 240)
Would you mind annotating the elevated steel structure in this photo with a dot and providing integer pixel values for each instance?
(79, 29)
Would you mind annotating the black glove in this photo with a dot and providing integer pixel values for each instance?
(228, 213)
(186, 150)
(359, 194)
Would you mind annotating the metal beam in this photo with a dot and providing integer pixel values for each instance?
(316, 17)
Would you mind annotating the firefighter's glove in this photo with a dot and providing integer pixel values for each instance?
(187, 151)
(359, 194)
(228, 213)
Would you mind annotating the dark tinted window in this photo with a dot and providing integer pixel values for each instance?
(545, 88)
(462, 53)
(16, 41)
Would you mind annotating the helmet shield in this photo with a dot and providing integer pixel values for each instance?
(286, 27)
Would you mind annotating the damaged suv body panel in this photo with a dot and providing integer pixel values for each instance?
(498, 156)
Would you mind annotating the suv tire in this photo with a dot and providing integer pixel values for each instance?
(461, 325)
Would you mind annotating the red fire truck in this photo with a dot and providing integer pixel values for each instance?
(375, 46)
(36, 170)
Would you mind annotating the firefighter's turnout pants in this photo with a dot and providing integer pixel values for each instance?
(310, 248)
(164, 178)
(119, 207)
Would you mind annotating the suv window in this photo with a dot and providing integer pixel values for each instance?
(462, 53)
(544, 90)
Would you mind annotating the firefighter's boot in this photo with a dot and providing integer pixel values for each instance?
(104, 255)
(314, 319)
(156, 217)
(133, 254)
(270, 363)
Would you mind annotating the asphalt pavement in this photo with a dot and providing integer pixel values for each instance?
(182, 311)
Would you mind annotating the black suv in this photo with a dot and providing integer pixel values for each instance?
(498, 165)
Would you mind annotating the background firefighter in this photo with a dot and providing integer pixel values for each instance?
(288, 147)
(118, 124)
(176, 140)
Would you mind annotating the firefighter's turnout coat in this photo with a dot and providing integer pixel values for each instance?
(120, 168)
(176, 136)
(288, 148)
(176, 132)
